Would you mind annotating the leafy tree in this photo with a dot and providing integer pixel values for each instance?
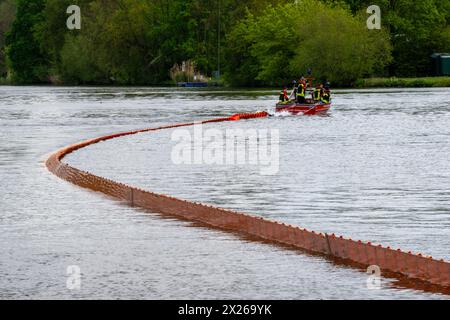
(289, 39)
(7, 13)
(53, 30)
(26, 60)
(337, 46)
(138, 41)
(417, 29)
(261, 41)
(242, 67)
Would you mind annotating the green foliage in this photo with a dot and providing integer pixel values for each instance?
(242, 67)
(289, 39)
(403, 82)
(28, 63)
(78, 63)
(53, 30)
(137, 42)
(417, 29)
(262, 41)
(337, 46)
(7, 14)
(112, 46)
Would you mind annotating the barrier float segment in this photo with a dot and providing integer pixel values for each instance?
(411, 266)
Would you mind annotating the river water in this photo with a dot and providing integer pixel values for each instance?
(376, 169)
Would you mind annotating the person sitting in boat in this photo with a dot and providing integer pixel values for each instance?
(318, 92)
(301, 91)
(326, 96)
(284, 98)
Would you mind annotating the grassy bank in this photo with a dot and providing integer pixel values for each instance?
(394, 82)
(4, 81)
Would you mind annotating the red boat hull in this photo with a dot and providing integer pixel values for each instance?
(304, 109)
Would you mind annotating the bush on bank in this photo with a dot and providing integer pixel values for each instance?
(285, 41)
(403, 82)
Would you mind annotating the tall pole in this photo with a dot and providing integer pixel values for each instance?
(218, 41)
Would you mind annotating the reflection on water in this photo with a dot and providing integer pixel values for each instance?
(376, 169)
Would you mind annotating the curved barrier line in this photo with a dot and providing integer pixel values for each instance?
(409, 265)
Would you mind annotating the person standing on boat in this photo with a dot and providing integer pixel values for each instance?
(301, 91)
(293, 95)
(284, 98)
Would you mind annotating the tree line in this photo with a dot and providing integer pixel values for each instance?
(253, 42)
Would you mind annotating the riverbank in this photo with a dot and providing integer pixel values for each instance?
(4, 82)
(425, 82)
(394, 82)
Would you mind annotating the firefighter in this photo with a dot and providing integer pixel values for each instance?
(301, 91)
(293, 96)
(318, 92)
(284, 98)
(326, 96)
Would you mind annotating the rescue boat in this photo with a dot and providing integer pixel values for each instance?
(308, 108)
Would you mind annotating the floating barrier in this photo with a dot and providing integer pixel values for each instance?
(405, 264)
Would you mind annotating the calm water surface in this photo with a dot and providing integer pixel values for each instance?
(376, 169)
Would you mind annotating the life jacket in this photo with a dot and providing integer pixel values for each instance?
(283, 96)
(301, 90)
(326, 97)
(317, 92)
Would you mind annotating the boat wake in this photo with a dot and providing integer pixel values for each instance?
(284, 114)
(278, 114)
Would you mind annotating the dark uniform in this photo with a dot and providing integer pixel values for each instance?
(301, 91)
(317, 93)
(326, 97)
